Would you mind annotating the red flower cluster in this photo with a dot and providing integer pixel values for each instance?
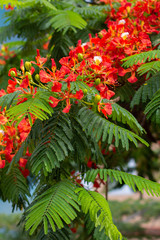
(9, 7)
(11, 139)
(5, 54)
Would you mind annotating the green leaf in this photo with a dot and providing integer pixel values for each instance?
(108, 130)
(152, 109)
(14, 188)
(151, 188)
(97, 207)
(37, 105)
(56, 206)
(147, 90)
(141, 57)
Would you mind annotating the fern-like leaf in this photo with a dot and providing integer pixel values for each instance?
(53, 145)
(99, 127)
(56, 206)
(125, 92)
(141, 57)
(120, 114)
(151, 188)
(60, 234)
(149, 68)
(97, 207)
(37, 105)
(62, 20)
(14, 188)
(92, 11)
(146, 91)
(152, 110)
(8, 99)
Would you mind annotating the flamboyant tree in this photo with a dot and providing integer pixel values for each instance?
(60, 124)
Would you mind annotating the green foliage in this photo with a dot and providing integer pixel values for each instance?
(37, 105)
(100, 128)
(54, 207)
(152, 109)
(121, 115)
(8, 99)
(14, 187)
(93, 231)
(60, 234)
(147, 90)
(53, 145)
(141, 57)
(79, 142)
(12, 2)
(149, 68)
(98, 209)
(125, 92)
(27, 3)
(59, 45)
(93, 11)
(63, 20)
(151, 188)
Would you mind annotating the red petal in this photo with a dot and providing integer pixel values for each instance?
(67, 108)
(2, 163)
(53, 101)
(57, 87)
(132, 79)
(44, 77)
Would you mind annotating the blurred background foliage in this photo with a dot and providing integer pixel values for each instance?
(130, 216)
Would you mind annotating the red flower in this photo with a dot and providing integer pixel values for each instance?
(53, 67)
(96, 184)
(11, 86)
(3, 119)
(45, 45)
(67, 108)
(74, 230)
(9, 157)
(9, 7)
(25, 82)
(12, 70)
(44, 77)
(53, 101)
(40, 60)
(107, 110)
(25, 172)
(56, 87)
(79, 94)
(133, 78)
(22, 162)
(2, 92)
(2, 62)
(2, 163)
(22, 66)
(11, 131)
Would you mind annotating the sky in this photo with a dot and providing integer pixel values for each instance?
(2, 11)
(1, 15)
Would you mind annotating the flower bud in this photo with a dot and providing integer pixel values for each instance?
(100, 35)
(37, 77)
(12, 73)
(97, 81)
(80, 56)
(85, 91)
(28, 65)
(97, 98)
(29, 75)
